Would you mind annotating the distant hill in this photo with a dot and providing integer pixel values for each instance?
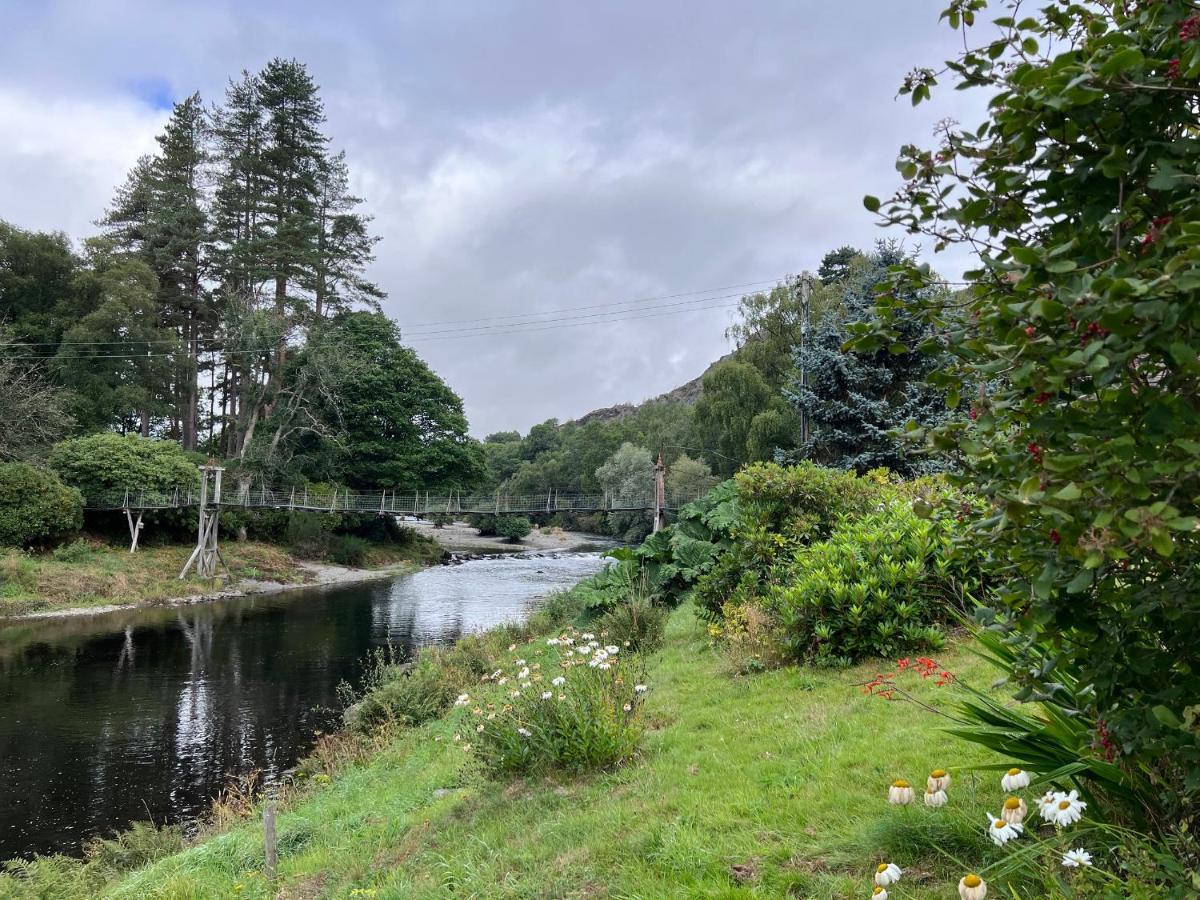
(687, 394)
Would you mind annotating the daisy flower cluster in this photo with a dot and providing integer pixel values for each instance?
(573, 702)
(1059, 809)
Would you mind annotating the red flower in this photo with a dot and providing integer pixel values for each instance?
(1189, 28)
(974, 414)
(1041, 398)
(1035, 451)
(1030, 331)
(1055, 537)
(1172, 72)
(1155, 231)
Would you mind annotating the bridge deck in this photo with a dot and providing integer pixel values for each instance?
(400, 503)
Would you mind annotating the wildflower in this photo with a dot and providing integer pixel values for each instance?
(628, 707)
(640, 688)
(1014, 780)
(593, 644)
(1067, 809)
(553, 642)
(880, 893)
(557, 681)
(972, 887)
(466, 748)
(1073, 859)
(463, 700)
(935, 798)
(900, 793)
(939, 780)
(546, 695)
(583, 651)
(887, 874)
(519, 662)
(502, 681)
(588, 637)
(568, 641)
(612, 650)
(479, 728)
(525, 684)
(1046, 804)
(1014, 810)
(514, 693)
(512, 647)
(605, 666)
(523, 674)
(562, 696)
(524, 732)
(1001, 832)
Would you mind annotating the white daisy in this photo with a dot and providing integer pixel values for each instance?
(939, 780)
(1046, 804)
(640, 688)
(546, 695)
(523, 674)
(628, 707)
(1068, 809)
(1001, 832)
(463, 700)
(887, 874)
(935, 798)
(972, 887)
(1014, 780)
(588, 637)
(900, 793)
(612, 650)
(1014, 810)
(880, 893)
(557, 681)
(524, 732)
(553, 642)
(1074, 859)
(519, 662)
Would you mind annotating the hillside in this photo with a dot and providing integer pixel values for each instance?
(687, 393)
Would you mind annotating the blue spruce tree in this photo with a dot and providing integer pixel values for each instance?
(853, 400)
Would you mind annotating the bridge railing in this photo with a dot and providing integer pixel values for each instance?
(414, 503)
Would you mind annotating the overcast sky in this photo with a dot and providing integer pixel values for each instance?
(519, 156)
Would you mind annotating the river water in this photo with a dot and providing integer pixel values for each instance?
(142, 714)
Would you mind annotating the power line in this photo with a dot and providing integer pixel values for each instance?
(470, 324)
(493, 331)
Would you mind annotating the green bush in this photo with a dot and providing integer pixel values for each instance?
(35, 507)
(877, 587)
(310, 534)
(409, 697)
(513, 528)
(636, 625)
(589, 720)
(104, 466)
(76, 551)
(348, 550)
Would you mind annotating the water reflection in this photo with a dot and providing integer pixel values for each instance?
(136, 714)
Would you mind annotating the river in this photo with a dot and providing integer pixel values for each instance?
(143, 713)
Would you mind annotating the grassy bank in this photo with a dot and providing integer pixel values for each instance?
(92, 573)
(756, 786)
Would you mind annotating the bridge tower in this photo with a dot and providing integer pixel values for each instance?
(207, 554)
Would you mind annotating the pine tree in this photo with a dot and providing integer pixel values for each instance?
(159, 215)
(854, 400)
(344, 246)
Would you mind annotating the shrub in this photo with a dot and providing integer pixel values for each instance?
(348, 550)
(513, 528)
(35, 507)
(1084, 311)
(310, 534)
(877, 587)
(409, 696)
(636, 625)
(587, 720)
(104, 466)
(76, 551)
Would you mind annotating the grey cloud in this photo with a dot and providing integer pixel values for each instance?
(528, 156)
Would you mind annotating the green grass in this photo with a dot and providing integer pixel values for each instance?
(765, 786)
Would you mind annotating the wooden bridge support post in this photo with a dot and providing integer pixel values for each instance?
(660, 495)
(207, 555)
(135, 528)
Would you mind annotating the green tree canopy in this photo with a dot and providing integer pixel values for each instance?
(104, 466)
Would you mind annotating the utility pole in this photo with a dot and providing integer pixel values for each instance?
(660, 495)
(805, 323)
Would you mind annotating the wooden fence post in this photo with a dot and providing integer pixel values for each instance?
(270, 842)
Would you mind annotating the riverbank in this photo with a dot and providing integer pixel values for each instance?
(768, 785)
(95, 577)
